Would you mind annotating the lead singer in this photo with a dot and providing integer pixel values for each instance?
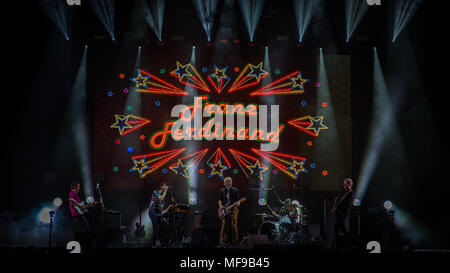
(229, 195)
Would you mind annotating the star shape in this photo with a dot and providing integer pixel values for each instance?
(324, 104)
(298, 81)
(142, 137)
(164, 171)
(204, 69)
(219, 74)
(157, 103)
(236, 69)
(110, 93)
(121, 123)
(297, 167)
(235, 171)
(309, 143)
(217, 169)
(303, 103)
(122, 76)
(312, 166)
(115, 169)
(201, 171)
(125, 90)
(180, 169)
(274, 171)
(317, 125)
(277, 71)
(317, 84)
(140, 80)
(257, 71)
(129, 107)
(257, 170)
(130, 149)
(162, 71)
(139, 166)
(324, 173)
(117, 141)
(181, 71)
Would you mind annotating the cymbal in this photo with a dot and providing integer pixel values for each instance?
(264, 215)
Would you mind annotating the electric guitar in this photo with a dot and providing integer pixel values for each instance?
(336, 204)
(222, 212)
(82, 208)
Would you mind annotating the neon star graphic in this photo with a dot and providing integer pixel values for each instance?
(309, 143)
(122, 76)
(317, 125)
(219, 74)
(257, 71)
(181, 71)
(115, 169)
(303, 103)
(121, 123)
(217, 169)
(277, 71)
(236, 69)
(274, 171)
(297, 82)
(235, 171)
(142, 137)
(324, 173)
(257, 170)
(130, 149)
(180, 169)
(324, 104)
(201, 171)
(297, 167)
(110, 93)
(140, 80)
(117, 141)
(162, 71)
(125, 90)
(139, 166)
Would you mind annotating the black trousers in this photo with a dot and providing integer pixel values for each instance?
(341, 227)
(80, 223)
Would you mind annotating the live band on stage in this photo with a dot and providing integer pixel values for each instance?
(289, 225)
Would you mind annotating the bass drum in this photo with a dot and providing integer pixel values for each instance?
(268, 228)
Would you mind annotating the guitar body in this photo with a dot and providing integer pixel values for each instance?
(222, 213)
(140, 231)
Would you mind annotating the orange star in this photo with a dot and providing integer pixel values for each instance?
(324, 173)
(121, 76)
(309, 143)
(236, 69)
(142, 137)
(324, 104)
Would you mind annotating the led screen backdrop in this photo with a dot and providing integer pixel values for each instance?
(134, 147)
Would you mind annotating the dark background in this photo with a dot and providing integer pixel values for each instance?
(41, 65)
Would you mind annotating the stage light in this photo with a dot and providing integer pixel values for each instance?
(356, 202)
(262, 201)
(56, 10)
(251, 11)
(304, 10)
(193, 198)
(44, 215)
(104, 9)
(57, 202)
(404, 11)
(383, 125)
(387, 204)
(90, 200)
(77, 117)
(354, 12)
(206, 10)
(154, 16)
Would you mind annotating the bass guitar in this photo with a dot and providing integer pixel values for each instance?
(222, 212)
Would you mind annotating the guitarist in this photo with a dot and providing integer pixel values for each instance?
(341, 210)
(155, 212)
(76, 210)
(229, 195)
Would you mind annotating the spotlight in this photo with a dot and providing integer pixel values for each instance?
(262, 201)
(193, 198)
(44, 215)
(57, 202)
(387, 204)
(356, 202)
(90, 200)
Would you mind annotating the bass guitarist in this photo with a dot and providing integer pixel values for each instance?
(229, 201)
(341, 210)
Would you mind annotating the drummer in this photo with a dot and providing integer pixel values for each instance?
(286, 211)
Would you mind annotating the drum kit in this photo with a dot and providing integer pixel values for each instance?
(289, 228)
